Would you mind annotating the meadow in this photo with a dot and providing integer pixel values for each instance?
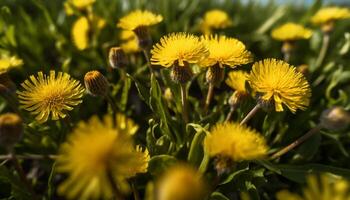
(174, 100)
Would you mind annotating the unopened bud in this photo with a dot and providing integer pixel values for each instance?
(117, 57)
(181, 74)
(96, 84)
(143, 37)
(215, 75)
(11, 129)
(7, 82)
(304, 69)
(335, 118)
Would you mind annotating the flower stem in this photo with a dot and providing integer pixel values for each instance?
(146, 54)
(21, 174)
(116, 192)
(28, 157)
(113, 106)
(251, 114)
(135, 192)
(184, 102)
(323, 51)
(209, 97)
(229, 115)
(286, 56)
(300, 140)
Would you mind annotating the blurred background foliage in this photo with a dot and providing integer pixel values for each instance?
(39, 32)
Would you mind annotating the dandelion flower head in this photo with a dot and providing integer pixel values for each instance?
(290, 32)
(237, 80)
(329, 14)
(80, 4)
(179, 48)
(225, 51)
(215, 19)
(96, 152)
(139, 18)
(81, 30)
(50, 95)
(236, 142)
(277, 81)
(7, 63)
(181, 182)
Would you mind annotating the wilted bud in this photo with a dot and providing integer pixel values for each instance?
(181, 74)
(117, 57)
(335, 118)
(96, 84)
(215, 75)
(143, 37)
(11, 129)
(223, 165)
(181, 183)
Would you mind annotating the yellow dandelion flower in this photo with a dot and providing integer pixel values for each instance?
(126, 125)
(7, 63)
(290, 32)
(81, 4)
(145, 159)
(127, 35)
(96, 154)
(329, 14)
(181, 182)
(278, 82)
(80, 33)
(215, 19)
(237, 80)
(81, 30)
(139, 18)
(131, 46)
(225, 51)
(50, 95)
(179, 48)
(325, 187)
(286, 195)
(234, 141)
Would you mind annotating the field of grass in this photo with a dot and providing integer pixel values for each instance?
(82, 119)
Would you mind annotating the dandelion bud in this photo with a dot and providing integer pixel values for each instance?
(7, 82)
(96, 84)
(181, 74)
(304, 69)
(181, 183)
(287, 47)
(117, 57)
(11, 129)
(144, 38)
(215, 75)
(235, 98)
(335, 118)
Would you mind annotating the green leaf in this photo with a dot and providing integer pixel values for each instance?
(156, 103)
(298, 173)
(125, 94)
(18, 188)
(218, 196)
(233, 175)
(159, 163)
(196, 153)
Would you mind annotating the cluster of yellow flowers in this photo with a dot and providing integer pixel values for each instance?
(100, 155)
